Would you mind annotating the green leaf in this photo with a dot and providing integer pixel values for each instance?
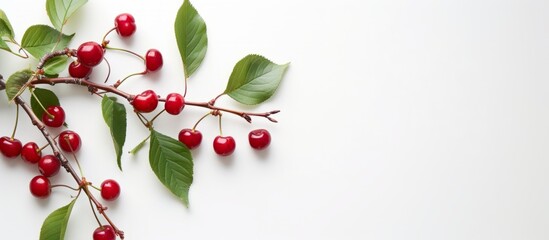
(39, 40)
(46, 97)
(172, 163)
(190, 34)
(56, 65)
(60, 11)
(254, 79)
(5, 26)
(4, 46)
(114, 114)
(16, 81)
(55, 225)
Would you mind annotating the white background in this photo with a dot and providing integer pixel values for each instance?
(400, 120)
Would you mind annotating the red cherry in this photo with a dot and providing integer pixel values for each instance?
(259, 139)
(90, 54)
(78, 70)
(55, 118)
(110, 190)
(153, 60)
(174, 103)
(105, 232)
(69, 141)
(224, 145)
(191, 138)
(124, 24)
(10, 147)
(40, 187)
(49, 165)
(31, 152)
(145, 102)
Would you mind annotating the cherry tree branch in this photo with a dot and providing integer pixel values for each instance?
(94, 87)
(64, 161)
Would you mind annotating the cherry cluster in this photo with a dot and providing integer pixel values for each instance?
(87, 56)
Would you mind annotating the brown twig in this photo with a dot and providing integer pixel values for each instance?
(93, 87)
(64, 161)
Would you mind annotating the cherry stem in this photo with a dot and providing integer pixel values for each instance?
(106, 34)
(64, 161)
(16, 122)
(74, 156)
(200, 120)
(220, 128)
(126, 51)
(155, 117)
(94, 213)
(143, 119)
(40, 103)
(109, 71)
(117, 84)
(66, 186)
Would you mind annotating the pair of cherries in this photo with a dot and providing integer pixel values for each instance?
(91, 54)
(147, 102)
(225, 145)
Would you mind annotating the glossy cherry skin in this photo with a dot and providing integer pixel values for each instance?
(78, 70)
(56, 116)
(90, 54)
(259, 139)
(110, 190)
(191, 138)
(49, 165)
(125, 24)
(145, 102)
(153, 60)
(31, 152)
(105, 232)
(40, 187)
(224, 145)
(69, 141)
(174, 103)
(10, 147)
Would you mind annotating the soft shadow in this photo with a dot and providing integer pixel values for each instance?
(262, 155)
(227, 161)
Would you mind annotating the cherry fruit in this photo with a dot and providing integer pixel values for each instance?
(10, 147)
(90, 54)
(259, 139)
(69, 141)
(174, 103)
(49, 165)
(124, 24)
(145, 102)
(224, 145)
(55, 118)
(79, 70)
(191, 138)
(105, 232)
(153, 60)
(40, 187)
(110, 190)
(31, 152)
